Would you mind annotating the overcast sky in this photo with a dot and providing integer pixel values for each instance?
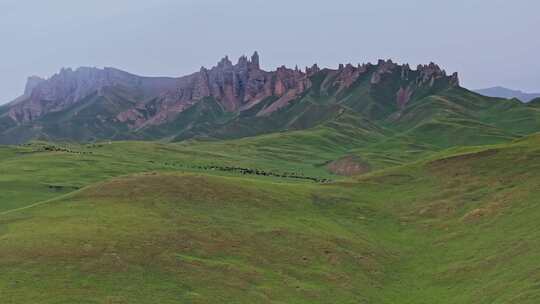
(489, 42)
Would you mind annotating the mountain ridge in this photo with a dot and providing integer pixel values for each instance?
(231, 101)
(112, 104)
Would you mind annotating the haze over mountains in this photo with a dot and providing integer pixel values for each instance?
(503, 92)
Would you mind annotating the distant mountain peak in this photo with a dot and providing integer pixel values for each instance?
(502, 92)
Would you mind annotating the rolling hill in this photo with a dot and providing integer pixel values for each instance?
(154, 222)
(372, 183)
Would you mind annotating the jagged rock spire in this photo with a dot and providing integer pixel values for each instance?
(255, 60)
(242, 61)
(225, 61)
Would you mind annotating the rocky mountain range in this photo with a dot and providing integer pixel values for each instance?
(229, 100)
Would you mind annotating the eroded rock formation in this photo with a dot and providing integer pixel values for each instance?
(236, 87)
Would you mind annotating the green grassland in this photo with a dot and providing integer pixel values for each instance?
(150, 222)
(348, 194)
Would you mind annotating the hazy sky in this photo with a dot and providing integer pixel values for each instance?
(489, 42)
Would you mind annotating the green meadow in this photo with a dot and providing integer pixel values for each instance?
(150, 222)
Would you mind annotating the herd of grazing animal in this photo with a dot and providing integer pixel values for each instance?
(232, 169)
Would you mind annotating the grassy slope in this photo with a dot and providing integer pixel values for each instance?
(452, 117)
(172, 238)
(468, 232)
(430, 125)
(459, 117)
(306, 152)
(457, 227)
(52, 173)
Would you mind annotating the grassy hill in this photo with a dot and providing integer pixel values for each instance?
(343, 196)
(143, 222)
